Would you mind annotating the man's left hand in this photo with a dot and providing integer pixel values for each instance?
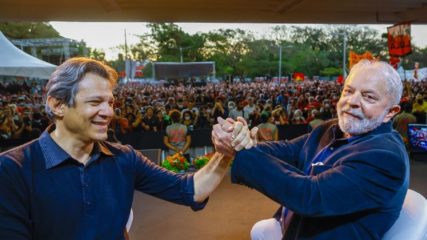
(242, 137)
(221, 136)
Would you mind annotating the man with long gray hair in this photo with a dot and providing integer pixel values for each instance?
(72, 184)
(347, 179)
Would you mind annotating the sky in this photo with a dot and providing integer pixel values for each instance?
(108, 35)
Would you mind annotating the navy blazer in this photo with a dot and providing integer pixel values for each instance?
(357, 193)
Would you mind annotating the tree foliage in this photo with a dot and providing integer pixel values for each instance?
(97, 54)
(238, 53)
(27, 30)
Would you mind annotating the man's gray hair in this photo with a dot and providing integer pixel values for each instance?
(64, 82)
(394, 83)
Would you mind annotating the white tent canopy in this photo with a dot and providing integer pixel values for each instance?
(15, 62)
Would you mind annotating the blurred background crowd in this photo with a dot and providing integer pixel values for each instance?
(147, 107)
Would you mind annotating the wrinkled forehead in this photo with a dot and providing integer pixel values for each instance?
(367, 77)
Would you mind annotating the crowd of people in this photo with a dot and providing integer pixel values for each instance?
(147, 108)
(353, 169)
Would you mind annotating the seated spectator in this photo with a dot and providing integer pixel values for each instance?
(279, 116)
(5, 127)
(282, 99)
(40, 120)
(25, 126)
(119, 123)
(8, 128)
(236, 111)
(249, 108)
(204, 119)
(231, 105)
(401, 121)
(171, 104)
(161, 123)
(419, 109)
(298, 117)
(254, 117)
(112, 136)
(149, 121)
(315, 120)
(312, 104)
(268, 107)
(218, 110)
(180, 104)
(131, 120)
(326, 112)
(188, 119)
(177, 139)
(194, 111)
(267, 131)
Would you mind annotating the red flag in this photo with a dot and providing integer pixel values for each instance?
(340, 79)
(394, 61)
(298, 76)
(399, 39)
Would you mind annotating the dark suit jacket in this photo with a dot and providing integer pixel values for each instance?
(357, 193)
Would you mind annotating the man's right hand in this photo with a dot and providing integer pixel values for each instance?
(221, 136)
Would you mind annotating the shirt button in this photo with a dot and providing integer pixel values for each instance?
(332, 148)
(88, 203)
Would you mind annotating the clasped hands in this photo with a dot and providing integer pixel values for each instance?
(229, 136)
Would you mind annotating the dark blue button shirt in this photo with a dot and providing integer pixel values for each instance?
(46, 194)
(336, 142)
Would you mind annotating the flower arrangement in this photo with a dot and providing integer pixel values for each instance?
(201, 161)
(176, 163)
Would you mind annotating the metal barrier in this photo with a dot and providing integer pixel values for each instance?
(200, 138)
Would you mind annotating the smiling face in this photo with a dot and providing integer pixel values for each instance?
(88, 119)
(365, 103)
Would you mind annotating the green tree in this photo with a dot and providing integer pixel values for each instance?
(418, 55)
(314, 38)
(260, 60)
(168, 39)
(97, 54)
(309, 61)
(359, 40)
(227, 47)
(26, 30)
(311, 50)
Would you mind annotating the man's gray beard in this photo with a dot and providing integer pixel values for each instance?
(357, 127)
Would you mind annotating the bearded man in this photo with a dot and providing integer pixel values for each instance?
(347, 179)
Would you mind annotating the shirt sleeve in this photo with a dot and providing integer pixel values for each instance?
(360, 182)
(15, 222)
(159, 182)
